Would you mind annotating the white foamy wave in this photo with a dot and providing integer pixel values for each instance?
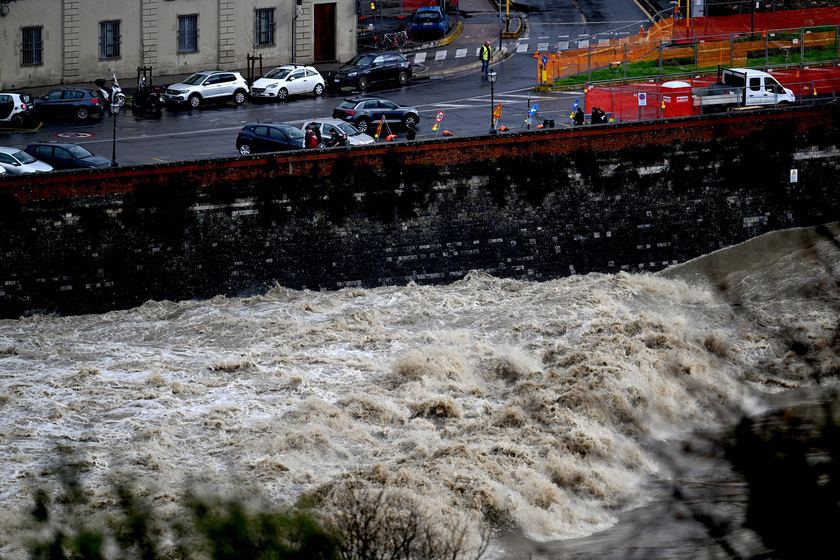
(524, 406)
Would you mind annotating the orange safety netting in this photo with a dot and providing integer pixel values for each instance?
(704, 33)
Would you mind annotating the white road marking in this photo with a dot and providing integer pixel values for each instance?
(440, 55)
(460, 53)
(419, 58)
(522, 47)
(542, 47)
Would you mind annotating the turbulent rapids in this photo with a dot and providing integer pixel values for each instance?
(528, 407)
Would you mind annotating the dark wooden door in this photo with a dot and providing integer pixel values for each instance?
(324, 32)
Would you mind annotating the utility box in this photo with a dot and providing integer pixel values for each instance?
(676, 99)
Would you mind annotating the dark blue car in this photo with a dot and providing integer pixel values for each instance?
(269, 137)
(66, 156)
(429, 22)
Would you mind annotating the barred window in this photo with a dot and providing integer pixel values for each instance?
(264, 26)
(31, 46)
(188, 33)
(109, 39)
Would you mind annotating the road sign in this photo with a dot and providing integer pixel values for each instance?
(532, 111)
(74, 134)
(544, 59)
(642, 99)
(497, 113)
(439, 116)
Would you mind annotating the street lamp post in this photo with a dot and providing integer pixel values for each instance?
(491, 77)
(114, 141)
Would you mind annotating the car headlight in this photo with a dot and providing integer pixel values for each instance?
(272, 86)
(351, 74)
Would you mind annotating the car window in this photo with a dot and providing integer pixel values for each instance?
(297, 74)
(348, 129)
(347, 105)
(77, 151)
(261, 130)
(212, 80)
(755, 84)
(75, 95)
(379, 60)
(277, 134)
(294, 133)
(6, 158)
(278, 73)
(54, 95)
(44, 150)
(195, 79)
(225, 78)
(311, 73)
(6, 99)
(25, 97)
(23, 157)
(361, 60)
(371, 104)
(61, 153)
(388, 104)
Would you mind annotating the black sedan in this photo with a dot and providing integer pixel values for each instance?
(367, 112)
(366, 69)
(268, 137)
(66, 156)
(78, 103)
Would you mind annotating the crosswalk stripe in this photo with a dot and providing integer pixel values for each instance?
(460, 53)
(419, 57)
(440, 55)
(542, 46)
(522, 47)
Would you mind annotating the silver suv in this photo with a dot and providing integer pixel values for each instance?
(210, 85)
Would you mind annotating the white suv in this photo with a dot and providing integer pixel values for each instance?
(210, 85)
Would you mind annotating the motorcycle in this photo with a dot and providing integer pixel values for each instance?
(112, 95)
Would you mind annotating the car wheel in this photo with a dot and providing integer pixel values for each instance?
(82, 113)
(17, 120)
(282, 94)
(363, 124)
(403, 78)
(319, 89)
(195, 100)
(410, 119)
(239, 97)
(363, 83)
(245, 149)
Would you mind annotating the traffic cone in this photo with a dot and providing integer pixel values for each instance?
(447, 133)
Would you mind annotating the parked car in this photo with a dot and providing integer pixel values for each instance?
(16, 108)
(269, 137)
(365, 112)
(283, 81)
(63, 155)
(17, 162)
(79, 103)
(210, 85)
(430, 22)
(365, 69)
(324, 127)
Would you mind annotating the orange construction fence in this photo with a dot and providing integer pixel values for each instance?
(704, 35)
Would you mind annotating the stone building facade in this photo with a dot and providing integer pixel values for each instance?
(76, 41)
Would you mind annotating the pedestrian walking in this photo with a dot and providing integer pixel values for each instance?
(580, 118)
(311, 139)
(485, 55)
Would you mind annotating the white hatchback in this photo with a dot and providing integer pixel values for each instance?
(284, 81)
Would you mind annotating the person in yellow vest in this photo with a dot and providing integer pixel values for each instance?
(484, 55)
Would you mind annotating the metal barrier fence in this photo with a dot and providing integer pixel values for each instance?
(684, 46)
